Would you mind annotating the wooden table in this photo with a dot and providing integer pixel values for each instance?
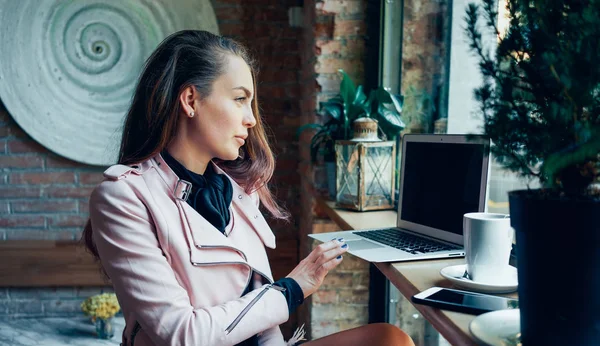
(413, 277)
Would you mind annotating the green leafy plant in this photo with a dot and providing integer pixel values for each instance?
(350, 104)
(540, 96)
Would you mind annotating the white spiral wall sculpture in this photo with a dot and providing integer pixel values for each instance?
(68, 68)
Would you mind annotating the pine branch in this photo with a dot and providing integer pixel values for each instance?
(525, 166)
(541, 90)
(488, 66)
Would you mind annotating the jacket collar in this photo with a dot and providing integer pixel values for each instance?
(210, 236)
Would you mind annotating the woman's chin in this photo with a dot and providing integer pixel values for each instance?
(229, 156)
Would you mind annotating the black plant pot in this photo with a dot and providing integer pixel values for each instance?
(558, 260)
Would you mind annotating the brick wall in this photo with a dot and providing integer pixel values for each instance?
(333, 38)
(425, 62)
(44, 302)
(342, 302)
(42, 196)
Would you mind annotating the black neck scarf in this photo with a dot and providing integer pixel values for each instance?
(211, 192)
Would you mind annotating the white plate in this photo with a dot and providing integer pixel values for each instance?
(497, 328)
(455, 275)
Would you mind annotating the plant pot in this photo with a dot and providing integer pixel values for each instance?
(330, 168)
(558, 261)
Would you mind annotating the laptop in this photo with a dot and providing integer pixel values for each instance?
(442, 178)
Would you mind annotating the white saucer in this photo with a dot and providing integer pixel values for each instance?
(497, 328)
(455, 274)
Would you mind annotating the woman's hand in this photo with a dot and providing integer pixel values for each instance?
(311, 271)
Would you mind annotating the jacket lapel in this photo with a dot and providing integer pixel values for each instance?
(249, 210)
(203, 232)
(210, 246)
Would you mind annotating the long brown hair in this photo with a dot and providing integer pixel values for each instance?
(191, 58)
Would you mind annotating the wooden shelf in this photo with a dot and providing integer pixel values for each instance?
(350, 220)
(40, 263)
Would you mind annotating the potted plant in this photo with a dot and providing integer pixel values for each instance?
(340, 112)
(540, 100)
(102, 308)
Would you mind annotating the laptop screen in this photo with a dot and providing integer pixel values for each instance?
(442, 181)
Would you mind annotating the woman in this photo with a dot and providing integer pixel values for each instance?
(176, 224)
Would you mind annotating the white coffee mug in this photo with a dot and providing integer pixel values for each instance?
(488, 239)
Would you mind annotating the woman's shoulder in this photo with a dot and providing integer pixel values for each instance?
(120, 181)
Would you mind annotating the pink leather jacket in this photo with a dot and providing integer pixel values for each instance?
(178, 279)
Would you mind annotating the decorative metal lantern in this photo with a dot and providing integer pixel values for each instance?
(365, 169)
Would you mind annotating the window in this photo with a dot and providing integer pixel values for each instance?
(464, 77)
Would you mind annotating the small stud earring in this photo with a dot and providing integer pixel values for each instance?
(191, 114)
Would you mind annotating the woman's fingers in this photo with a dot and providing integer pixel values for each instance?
(331, 254)
(311, 271)
(329, 260)
(324, 247)
(324, 269)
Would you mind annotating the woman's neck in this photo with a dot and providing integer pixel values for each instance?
(188, 156)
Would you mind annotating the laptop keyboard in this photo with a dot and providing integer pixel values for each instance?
(406, 241)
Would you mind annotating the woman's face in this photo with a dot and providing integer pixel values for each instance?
(222, 119)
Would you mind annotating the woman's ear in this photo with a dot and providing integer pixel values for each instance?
(187, 99)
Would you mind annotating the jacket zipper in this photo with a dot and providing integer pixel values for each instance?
(219, 263)
(224, 247)
(237, 320)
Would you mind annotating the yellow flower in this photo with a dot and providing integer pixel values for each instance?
(102, 306)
